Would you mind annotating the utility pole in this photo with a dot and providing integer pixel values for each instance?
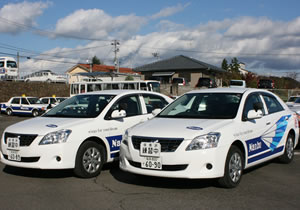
(18, 62)
(116, 43)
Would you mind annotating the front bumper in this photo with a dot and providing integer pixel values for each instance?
(52, 156)
(197, 164)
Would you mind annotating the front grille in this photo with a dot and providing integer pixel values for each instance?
(25, 139)
(25, 159)
(167, 144)
(164, 167)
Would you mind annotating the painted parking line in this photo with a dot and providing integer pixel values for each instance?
(297, 153)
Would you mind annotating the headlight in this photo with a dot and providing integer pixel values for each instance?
(209, 140)
(125, 138)
(56, 137)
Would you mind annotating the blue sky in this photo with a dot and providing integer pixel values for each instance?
(265, 35)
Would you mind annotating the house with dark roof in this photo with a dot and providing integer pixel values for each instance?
(180, 66)
(87, 72)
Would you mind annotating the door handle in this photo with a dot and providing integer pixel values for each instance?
(268, 123)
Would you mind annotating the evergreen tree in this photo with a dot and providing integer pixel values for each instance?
(225, 64)
(96, 60)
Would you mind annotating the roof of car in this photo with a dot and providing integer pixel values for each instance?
(118, 92)
(226, 90)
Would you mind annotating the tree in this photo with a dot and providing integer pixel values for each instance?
(234, 66)
(225, 64)
(96, 60)
(129, 78)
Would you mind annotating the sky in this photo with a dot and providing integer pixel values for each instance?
(58, 34)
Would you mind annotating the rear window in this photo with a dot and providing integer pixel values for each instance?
(177, 80)
(236, 83)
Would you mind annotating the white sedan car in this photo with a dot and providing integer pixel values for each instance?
(82, 132)
(212, 133)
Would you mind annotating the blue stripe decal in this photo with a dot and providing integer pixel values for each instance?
(114, 142)
(259, 157)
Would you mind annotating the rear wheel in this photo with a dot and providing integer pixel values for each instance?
(288, 154)
(89, 160)
(9, 112)
(234, 166)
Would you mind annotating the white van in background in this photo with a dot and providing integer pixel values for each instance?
(8, 68)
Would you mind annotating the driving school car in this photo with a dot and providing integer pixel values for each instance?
(23, 106)
(82, 132)
(212, 133)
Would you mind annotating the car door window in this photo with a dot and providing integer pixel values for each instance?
(52, 101)
(15, 101)
(272, 104)
(154, 102)
(45, 101)
(24, 101)
(249, 104)
(130, 104)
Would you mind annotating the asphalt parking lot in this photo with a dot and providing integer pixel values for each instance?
(269, 186)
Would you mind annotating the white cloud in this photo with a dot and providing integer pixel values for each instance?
(261, 43)
(96, 24)
(169, 11)
(14, 18)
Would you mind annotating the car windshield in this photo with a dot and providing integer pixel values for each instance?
(34, 100)
(204, 106)
(297, 100)
(80, 106)
(292, 99)
(203, 82)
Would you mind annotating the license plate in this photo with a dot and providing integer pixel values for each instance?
(151, 163)
(13, 155)
(13, 143)
(150, 149)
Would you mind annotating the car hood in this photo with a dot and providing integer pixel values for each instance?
(178, 128)
(44, 125)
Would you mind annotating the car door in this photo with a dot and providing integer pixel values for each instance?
(25, 106)
(277, 118)
(15, 104)
(115, 128)
(253, 132)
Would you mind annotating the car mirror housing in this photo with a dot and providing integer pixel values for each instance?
(156, 112)
(116, 114)
(252, 114)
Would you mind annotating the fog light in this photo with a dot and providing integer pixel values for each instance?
(58, 159)
(209, 166)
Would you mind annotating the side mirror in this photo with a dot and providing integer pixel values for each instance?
(156, 112)
(252, 114)
(116, 114)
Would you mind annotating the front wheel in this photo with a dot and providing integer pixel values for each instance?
(35, 113)
(89, 160)
(234, 166)
(288, 154)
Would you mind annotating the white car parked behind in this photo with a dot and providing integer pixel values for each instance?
(212, 133)
(82, 132)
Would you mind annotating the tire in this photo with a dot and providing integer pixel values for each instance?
(233, 170)
(9, 112)
(35, 113)
(89, 159)
(288, 154)
(48, 81)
